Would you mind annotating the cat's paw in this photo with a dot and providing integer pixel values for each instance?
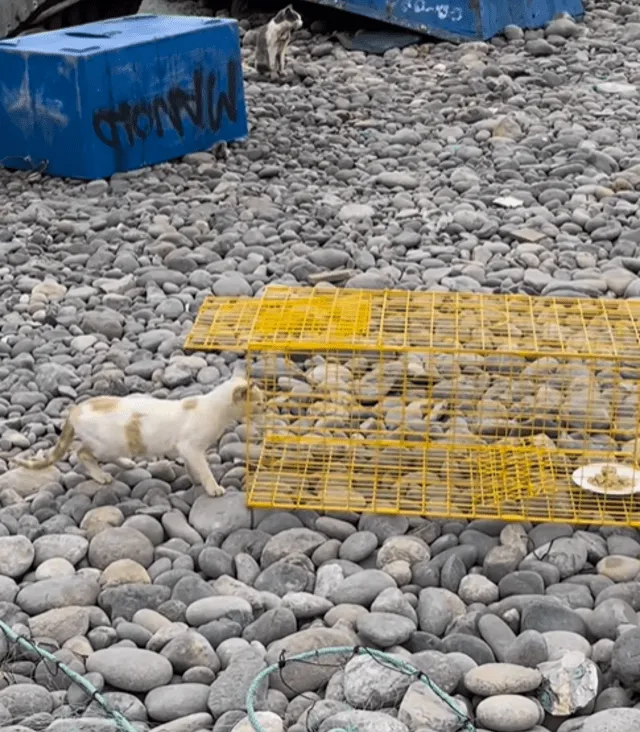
(103, 478)
(214, 490)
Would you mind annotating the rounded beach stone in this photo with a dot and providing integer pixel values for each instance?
(16, 555)
(619, 568)
(166, 703)
(131, 669)
(493, 679)
(509, 713)
(625, 659)
(120, 543)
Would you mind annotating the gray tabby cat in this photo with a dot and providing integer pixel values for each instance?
(272, 40)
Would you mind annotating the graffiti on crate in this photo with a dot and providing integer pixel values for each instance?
(452, 13)
(203, 105)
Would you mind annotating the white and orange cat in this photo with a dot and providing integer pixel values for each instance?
(112, 428)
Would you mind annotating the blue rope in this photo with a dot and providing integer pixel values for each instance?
(121, 721)
(384, 658)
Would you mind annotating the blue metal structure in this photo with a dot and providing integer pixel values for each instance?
(116, 95)
(459, 20)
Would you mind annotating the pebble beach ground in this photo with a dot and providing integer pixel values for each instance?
(368, 172)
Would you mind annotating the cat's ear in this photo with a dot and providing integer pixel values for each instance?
(256, 395)
(239, 393)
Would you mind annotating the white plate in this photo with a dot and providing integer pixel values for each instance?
(582, 478)
(508, 202)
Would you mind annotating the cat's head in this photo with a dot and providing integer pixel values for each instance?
(243, 391)
(290, 16)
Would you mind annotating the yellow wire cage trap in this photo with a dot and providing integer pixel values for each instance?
(439, 404)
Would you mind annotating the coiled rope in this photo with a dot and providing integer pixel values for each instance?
(385, 659)
(121, 721)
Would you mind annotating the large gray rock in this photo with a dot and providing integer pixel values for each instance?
(188, 723)
(61, 624)
(383, 526)
(358, 547)
(234, 588)
(58, 593)
(625, 661)
(439, 668)
(627, 591)
(542, 616)
(26, 482)
(120, 542)
(215, 608)
(167, 703)
(568, 554)
(293, 573)
(16, 555)
(305, 605)
(605, 619)
(619, 568)
(385, 629)
(522, 582)
(271, 626)
(291, 541)
(367, 683)
(410, 549)
(502, 560)
(268, 721)
(396, 602)
(190, 649)
(127, 704)
(560, 642)
(361, 588)
(60, 546)
(131, 669)
(509, 713)
(476, 588)
(22, 700)
(363, 721)
(497, 635)
(421, 708)
(609, 720)
(492, 679)
(220, 516)
(126, 600)
(309, 677)
(82, 724)
(529, 649)
(437, 607)
(229, 691)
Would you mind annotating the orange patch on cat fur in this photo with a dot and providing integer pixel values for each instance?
(103, 404)
(189, 404)
(133, 435)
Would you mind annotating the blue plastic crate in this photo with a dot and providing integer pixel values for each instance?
(107, 97)
(459, 20)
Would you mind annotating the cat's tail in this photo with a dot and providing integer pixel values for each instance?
(60, 449)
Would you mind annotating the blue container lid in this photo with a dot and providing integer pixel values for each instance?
(111, 35)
